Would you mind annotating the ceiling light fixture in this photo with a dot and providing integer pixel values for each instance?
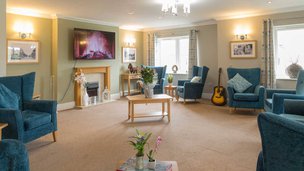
(171, 6)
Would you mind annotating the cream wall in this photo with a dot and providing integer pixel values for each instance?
(3, 38)
(207, 43)
(43, 33)
(226, 30)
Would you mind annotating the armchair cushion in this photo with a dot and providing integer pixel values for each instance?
(34, 119)
(196, 79)
(251, 97)
(8, 99)
(239, 83)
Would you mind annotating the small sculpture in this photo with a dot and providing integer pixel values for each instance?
(132, 70)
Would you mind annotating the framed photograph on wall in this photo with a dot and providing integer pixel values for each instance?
(128, 55)
(22, 51)
(243, 49)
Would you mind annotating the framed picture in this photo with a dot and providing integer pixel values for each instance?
(129, 55)
(243, 49)
(22, 51)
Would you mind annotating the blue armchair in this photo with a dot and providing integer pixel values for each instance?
(189, 90)
(34, 118)
(294, 110)
(282, 144)
(275, 97)
(161, 73)
(13, 156)
(253, 97)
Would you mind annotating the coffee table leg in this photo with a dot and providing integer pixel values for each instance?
(132, 110)
(169, 110)
(129, 105)
(163, 108)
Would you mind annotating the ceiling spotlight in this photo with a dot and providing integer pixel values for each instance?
(269, 2)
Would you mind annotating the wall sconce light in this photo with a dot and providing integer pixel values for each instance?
(130, 42)
(241, 36)
(25, 30)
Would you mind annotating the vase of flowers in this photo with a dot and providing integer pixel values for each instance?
(170, 79)
(151, 155)
(80, 79)
(148, 82)
(138, 142)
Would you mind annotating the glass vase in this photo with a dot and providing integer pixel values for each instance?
(139, 163)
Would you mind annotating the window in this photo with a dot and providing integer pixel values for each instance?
(289, 48)
(173, 51)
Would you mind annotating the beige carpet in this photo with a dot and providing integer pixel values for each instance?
(200, 137)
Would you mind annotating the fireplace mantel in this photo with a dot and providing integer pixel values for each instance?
(91, 70)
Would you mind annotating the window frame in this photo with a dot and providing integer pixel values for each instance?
(177, 52)
(275, 42)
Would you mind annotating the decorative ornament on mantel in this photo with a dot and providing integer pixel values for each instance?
(170, 6)
(293, 69)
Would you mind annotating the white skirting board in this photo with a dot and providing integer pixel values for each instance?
(71, 105)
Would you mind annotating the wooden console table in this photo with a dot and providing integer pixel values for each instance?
(140, 99)
(128, 77)
(2, 125)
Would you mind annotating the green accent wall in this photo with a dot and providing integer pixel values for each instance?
(42, 31)
(65, 63)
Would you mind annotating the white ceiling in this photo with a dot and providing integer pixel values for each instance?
(147, 14)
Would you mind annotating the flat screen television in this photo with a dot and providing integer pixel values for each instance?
(93, 44)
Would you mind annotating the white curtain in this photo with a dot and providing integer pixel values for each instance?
(193, 53)
(268, 62)
(149, 48)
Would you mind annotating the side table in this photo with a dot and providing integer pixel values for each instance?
(171, 91)
(128, 77)
(2, 125)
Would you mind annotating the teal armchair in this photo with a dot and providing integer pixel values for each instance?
(275, 97)
(253, 97)
(33, 118)
(282, 143)
(189, 90)
(13, 156)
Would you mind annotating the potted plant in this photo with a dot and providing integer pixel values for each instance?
(152, 152)
(139, 142)
(148, 82)
(170, 79)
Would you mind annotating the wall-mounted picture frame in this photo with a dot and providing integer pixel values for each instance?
(246, 49)
(22, 51)
(129, 55)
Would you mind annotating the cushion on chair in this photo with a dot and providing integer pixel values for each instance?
(269, 103)
(34, 119)
(196, 79)
(239, 83)
(8, 99)
(299, 118)
(180, 89)
(246, 97)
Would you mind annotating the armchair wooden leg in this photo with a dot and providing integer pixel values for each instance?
(230, 109)
(184, 101)
(54, 136)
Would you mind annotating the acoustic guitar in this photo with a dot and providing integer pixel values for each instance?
(219, 93)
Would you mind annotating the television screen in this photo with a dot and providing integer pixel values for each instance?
(93, 44)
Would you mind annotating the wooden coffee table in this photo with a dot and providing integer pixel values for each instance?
(140, 99)
(2, 125)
